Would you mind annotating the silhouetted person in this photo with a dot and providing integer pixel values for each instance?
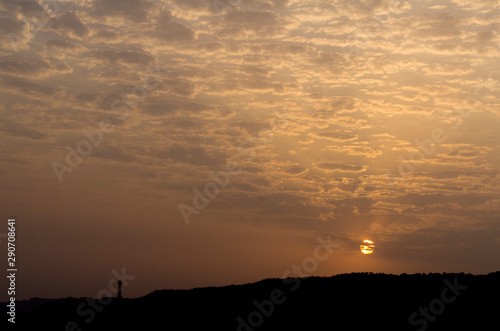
(119, 293)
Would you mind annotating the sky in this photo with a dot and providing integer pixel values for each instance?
(191, 143)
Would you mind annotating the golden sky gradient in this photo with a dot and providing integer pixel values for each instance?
(351, 119)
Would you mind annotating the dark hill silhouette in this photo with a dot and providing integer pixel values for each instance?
(343, 302)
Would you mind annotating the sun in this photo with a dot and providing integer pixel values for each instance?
(367, 247)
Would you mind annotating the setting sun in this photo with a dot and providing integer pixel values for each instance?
(367, 247)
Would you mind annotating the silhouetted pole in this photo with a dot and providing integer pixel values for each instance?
(119, 293)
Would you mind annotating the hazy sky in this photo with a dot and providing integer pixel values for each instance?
(317, 106)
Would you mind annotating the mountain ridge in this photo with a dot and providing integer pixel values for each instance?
(357, 300)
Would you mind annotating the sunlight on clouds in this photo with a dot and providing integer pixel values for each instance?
(329, 107)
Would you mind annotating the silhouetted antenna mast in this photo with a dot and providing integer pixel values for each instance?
(119, 293)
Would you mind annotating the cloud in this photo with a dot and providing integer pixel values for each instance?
(429, 199)
(29, 9)
(259, 24)
(329, 58)
(87, 97)
(115, 153)
(31, 67)
(123, 57)
(134, 10)
(17, 130)
(195, 156)
(336, 135)
(26, 86)
(189, 124)
(179, 87)
(438, 27)
(20, 66)
(252, 128)
(70, 25)
(361, 205)
(448, 174)
(167, 30)
(11, 25)
(294, 170)
(171, 107)
(489, 5)
(341, 167)
(63, 44)
(200, 6)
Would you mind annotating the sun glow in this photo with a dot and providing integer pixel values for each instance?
(367, 247)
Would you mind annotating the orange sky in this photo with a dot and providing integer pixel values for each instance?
(351, 120)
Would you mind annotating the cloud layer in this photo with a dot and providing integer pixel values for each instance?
(359, 119)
